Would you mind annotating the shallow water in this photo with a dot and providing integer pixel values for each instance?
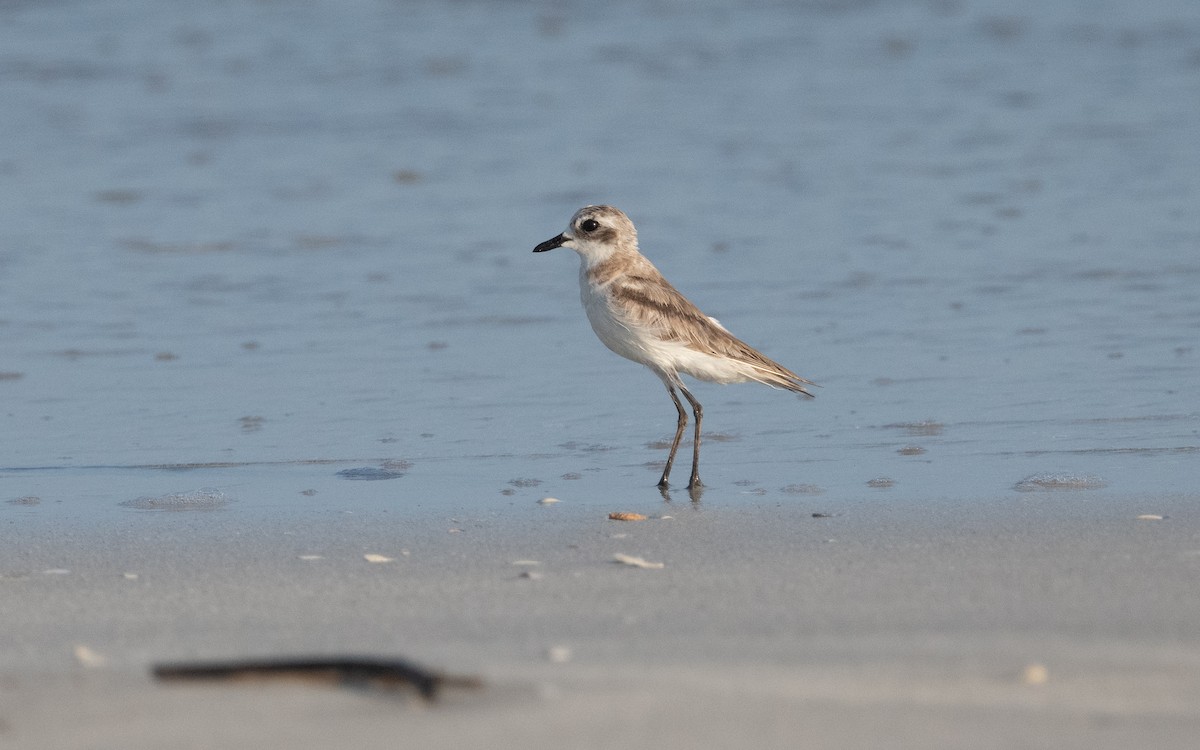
(248, 249)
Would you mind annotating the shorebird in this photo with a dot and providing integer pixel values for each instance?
(638, 314)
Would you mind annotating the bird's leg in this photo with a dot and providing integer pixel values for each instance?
(678, 434)
(694, 481)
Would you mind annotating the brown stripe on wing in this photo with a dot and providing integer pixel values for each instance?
(651, 302)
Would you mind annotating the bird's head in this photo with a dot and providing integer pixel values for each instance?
(595, 232)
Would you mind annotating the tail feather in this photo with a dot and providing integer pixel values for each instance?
(778, 376)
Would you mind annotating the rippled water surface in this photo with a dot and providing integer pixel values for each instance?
(275, 257)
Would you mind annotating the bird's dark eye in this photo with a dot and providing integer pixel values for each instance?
(590, 225)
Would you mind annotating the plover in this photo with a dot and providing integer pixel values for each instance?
(639, 315)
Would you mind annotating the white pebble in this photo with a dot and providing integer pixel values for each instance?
(89, 658)
(559, 654)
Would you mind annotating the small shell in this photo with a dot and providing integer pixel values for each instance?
(1035, 674)
(637, 562)
(623, 516)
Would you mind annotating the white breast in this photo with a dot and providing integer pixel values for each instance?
(617, 334)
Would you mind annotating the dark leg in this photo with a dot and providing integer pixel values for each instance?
(699, 412)
(678, 434)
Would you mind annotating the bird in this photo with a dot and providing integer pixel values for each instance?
(637, 314)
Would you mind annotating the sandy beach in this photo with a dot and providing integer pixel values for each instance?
(1036, 621)
(281, 377)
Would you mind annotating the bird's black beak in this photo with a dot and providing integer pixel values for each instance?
(551, 243)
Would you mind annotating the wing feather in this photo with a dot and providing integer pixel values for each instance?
(649, 301)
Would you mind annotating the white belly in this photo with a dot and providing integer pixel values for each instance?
(646, 346)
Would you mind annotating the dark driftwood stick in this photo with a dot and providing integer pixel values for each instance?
(387, 674)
